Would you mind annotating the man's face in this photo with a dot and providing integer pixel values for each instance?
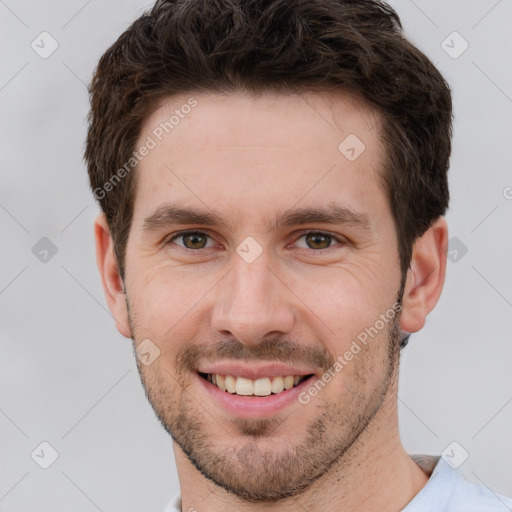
(255, 297)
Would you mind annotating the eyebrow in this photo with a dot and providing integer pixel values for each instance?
(174, 214)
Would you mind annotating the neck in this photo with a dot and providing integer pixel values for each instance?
(375, 474)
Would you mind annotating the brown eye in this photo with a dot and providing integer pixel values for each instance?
(191, 239)
(319, 240)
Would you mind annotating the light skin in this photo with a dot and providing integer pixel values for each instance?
(303, 300)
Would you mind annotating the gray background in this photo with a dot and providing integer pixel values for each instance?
(68, 377)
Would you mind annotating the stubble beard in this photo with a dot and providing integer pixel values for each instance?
(257, 464)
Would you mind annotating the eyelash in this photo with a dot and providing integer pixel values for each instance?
(302, 234)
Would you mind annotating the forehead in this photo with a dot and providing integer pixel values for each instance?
(258, 154)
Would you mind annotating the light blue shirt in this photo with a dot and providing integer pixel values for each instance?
(447, 490)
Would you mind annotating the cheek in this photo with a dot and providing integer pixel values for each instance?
(166, 298)
(347, 297)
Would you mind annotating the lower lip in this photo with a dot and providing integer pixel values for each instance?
(255, 406)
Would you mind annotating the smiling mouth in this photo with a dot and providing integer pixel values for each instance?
(264, 386)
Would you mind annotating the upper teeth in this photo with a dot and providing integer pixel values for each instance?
(259, 387)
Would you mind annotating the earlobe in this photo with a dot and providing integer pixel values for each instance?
(113, 286)
(425, 277)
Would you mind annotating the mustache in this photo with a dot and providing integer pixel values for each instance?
(271, 349)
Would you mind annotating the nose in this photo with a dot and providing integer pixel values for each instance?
(253, 303)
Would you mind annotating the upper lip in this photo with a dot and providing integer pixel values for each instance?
(254, 371)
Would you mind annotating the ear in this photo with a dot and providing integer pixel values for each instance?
(425, 277)
(111, 280)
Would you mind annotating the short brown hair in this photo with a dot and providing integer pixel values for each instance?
(186, 46)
